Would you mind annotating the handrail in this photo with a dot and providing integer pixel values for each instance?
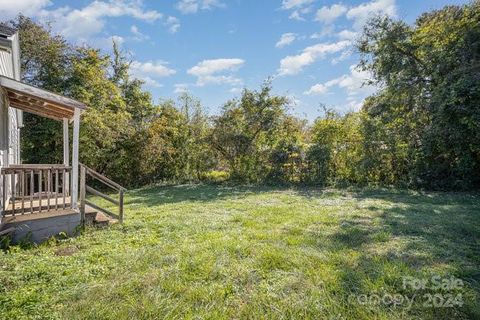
(84, 188)
(38, 166)
(103, 179)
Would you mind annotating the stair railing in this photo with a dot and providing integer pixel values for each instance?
(84, 188)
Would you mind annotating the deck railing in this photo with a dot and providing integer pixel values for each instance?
(32, 188)
(84, 188)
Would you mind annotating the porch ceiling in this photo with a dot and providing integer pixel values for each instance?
(38, 101)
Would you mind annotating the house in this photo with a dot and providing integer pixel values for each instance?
(42, 200)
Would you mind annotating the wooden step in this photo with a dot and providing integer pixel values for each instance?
(97, 218)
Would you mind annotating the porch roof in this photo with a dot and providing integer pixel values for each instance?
(38, 101)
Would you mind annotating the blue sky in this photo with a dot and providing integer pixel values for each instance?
(214, 48)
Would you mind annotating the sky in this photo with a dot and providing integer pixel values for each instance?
(215, 48)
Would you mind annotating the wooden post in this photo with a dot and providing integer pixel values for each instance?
(12, 175)
(32, 182)
(40, 173)
(64, 186)
(49, 186)
(56, 189)
(76, 138)
(82, 195)
(5, 192)
(120, 207)
(66, 153)
(22, 189)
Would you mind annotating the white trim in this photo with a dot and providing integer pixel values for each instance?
(66, 152)
(75, 162)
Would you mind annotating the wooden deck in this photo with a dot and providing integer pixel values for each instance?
(92, 215)
(37, 215)
(37, 206)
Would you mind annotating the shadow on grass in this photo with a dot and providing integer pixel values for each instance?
(418, 235)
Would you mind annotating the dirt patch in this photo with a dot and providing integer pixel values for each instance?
(66, 251)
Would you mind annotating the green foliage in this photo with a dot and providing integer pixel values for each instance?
(255, 137)
(421, 129)
(5, 243)
(335, 154)
(429, 107)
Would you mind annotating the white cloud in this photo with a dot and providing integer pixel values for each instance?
(345, 54)
(207, 71)
(158, 69)
(208, 67)
(193, 6)
(299, 7)
(135, 31)
(352, 83)
(329, 14)
(11, 8)
(180, 88)
(292, 4)
(326, 30)
(317, 89)
(106, 43)
(150, 82)
(294, 64)
(117, 39)
(150, 71)
(137, 34)
(361, 13)
(347, 35)
(173, 24)
(90, 20)
(299, 13)
(286, 39)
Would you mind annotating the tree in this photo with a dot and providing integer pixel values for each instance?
(46, 63)
(431, 98)
(246, 131)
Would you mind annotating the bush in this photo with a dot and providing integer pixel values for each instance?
(215, 176)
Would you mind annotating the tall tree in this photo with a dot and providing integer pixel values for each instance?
(431, 98)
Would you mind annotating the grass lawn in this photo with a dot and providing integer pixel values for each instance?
(212, 252)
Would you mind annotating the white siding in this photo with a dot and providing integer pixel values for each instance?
(3, 130)
(9, 117)
(9, 126)
(6, 62)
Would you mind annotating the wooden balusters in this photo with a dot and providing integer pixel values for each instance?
(38, 188)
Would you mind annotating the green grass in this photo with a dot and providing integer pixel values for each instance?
(212, 252)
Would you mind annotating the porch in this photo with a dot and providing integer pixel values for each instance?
(43, 199)
(40, 204)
